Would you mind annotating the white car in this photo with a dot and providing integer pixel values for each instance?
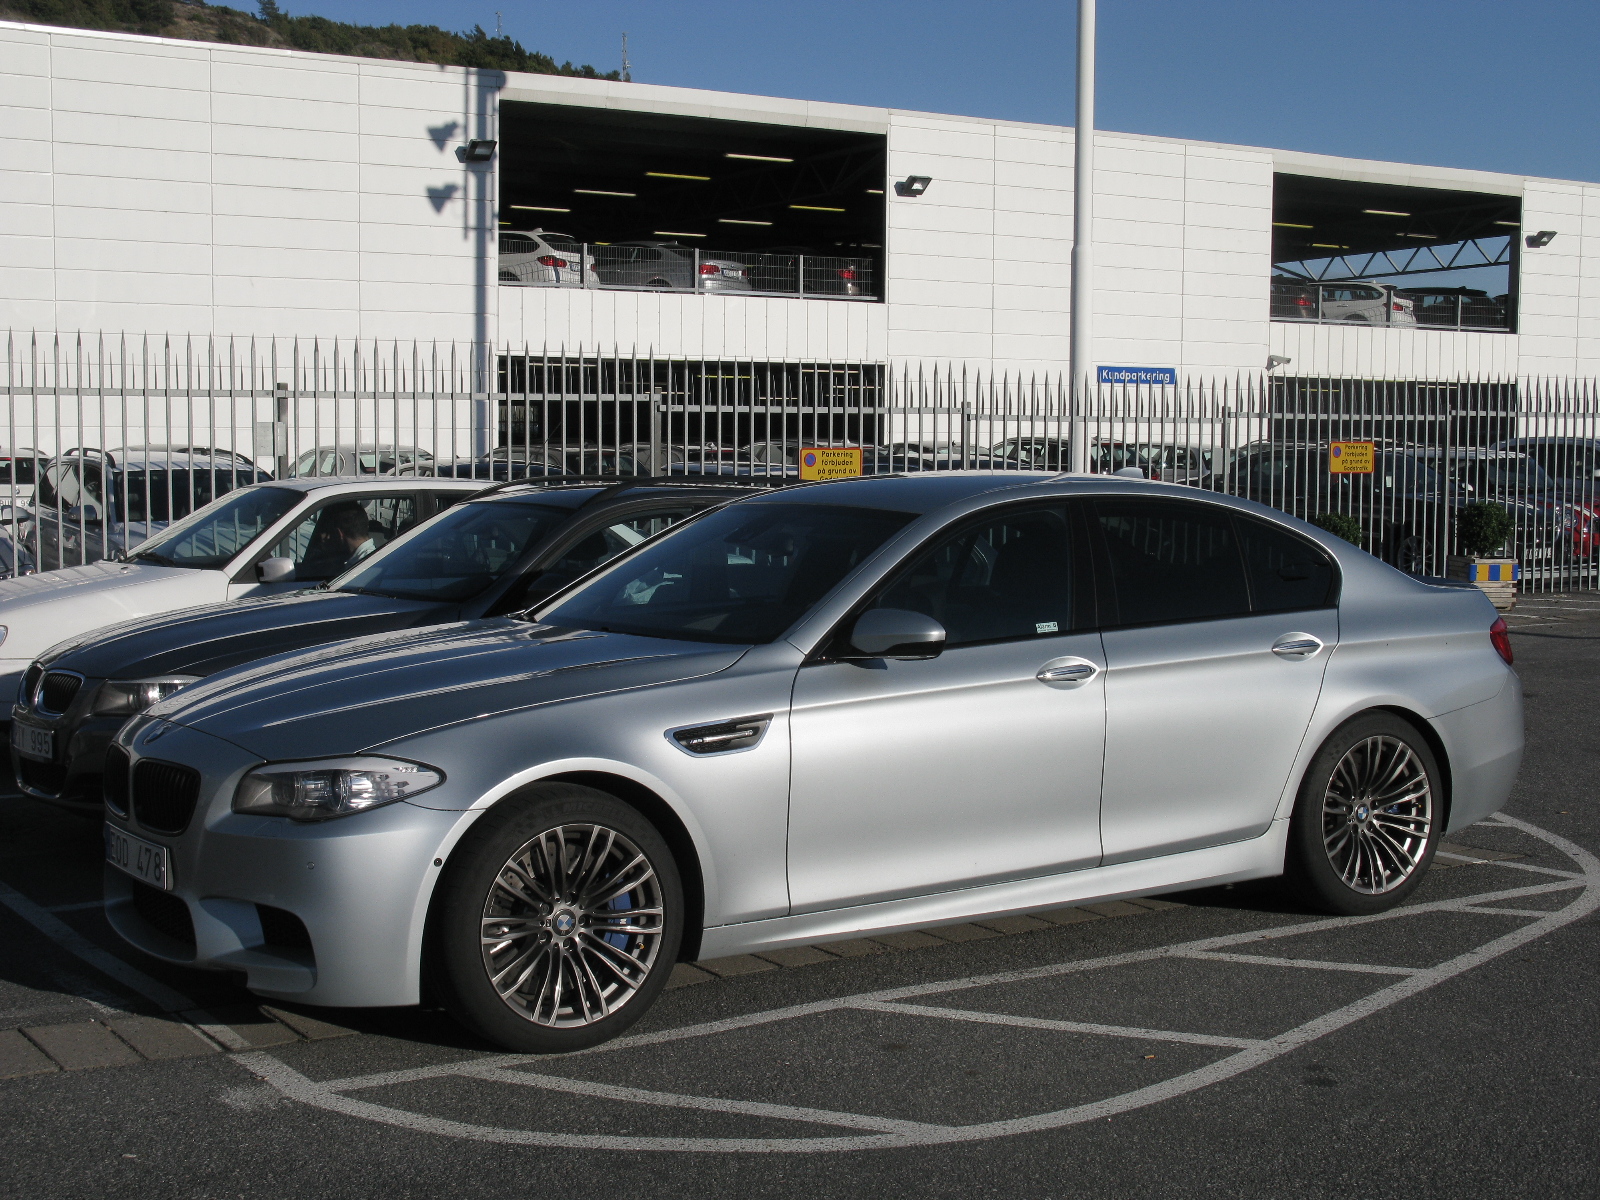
(264, 538)
(1366, 304)
(545, 258)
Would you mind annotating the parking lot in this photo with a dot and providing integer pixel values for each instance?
(1219, 1043)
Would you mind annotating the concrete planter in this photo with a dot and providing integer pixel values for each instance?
(1497, 577)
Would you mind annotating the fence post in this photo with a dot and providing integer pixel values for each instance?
(800, 275)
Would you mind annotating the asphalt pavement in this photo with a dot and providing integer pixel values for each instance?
(1224, 1043)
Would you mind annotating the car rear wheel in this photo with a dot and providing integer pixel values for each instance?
(1367, 819)
(557, 921)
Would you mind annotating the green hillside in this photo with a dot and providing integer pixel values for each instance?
(197, 21)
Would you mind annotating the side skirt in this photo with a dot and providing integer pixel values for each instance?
(1258, 858)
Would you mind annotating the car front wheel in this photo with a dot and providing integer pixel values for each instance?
(1367, 819)
(557, 921)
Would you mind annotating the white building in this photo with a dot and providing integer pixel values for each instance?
(180, 188)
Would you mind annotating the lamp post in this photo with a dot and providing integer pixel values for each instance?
(1082, 349)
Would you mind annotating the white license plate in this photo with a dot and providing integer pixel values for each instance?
(33, 743)
(139, 858)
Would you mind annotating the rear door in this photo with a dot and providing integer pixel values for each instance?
(1219, 628)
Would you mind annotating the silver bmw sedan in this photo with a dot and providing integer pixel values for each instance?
(814, 714)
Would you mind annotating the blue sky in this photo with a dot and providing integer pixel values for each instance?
(1491, 84)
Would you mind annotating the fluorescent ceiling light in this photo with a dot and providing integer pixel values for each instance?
(1429, 236)
(670, 175)
(1327, 246)
(598, 192)
(874, 191)
(674, 233)
(815, 208)
(539, 208)
(736, 221)
(1384, 212)
(759, 157)
(1291, 225)
(1513, 224)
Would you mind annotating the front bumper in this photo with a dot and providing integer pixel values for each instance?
(359, 887)
(71, 780)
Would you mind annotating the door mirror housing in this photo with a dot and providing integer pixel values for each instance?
(83, 512)
(275, 570)
(897, 633)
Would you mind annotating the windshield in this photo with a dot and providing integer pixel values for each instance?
(1496, 475)
(459, 555)
(162, 494)
(217, 532)
(743, 574)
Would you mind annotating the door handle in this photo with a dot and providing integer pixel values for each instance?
(1297, 645)
(1067, 670)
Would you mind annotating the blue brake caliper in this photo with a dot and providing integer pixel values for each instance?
(620, 903)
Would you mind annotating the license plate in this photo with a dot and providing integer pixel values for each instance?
(33, 743)
(139, 858)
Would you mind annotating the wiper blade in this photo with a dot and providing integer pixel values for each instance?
(161, 560)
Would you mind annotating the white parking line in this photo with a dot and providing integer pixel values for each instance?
(74, 943)
(332, 1095)
(993, 1018)
(1313, 964)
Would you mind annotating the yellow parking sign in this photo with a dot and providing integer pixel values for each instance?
(1351, 458)
(830, 462)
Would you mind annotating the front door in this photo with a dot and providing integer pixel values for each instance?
(914, 777)
(1220, 629)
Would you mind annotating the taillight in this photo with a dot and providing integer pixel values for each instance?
(1303, 302)
(1399, 307)
(550, 260)
(710, 269)
(1501, 637)
(847, 273)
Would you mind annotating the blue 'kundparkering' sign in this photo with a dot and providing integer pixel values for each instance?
(1166, 376)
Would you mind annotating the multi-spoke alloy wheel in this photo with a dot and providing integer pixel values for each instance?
(1367, 818)
(557, 920)
(1377, 811)
(572, 926)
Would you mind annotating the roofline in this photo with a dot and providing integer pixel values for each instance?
(776, 110)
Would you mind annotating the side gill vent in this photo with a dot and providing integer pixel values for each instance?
(739, 734)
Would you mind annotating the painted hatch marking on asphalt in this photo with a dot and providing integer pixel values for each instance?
(877, 1132)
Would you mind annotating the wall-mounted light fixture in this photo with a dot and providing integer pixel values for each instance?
(1544, 237)
(1277, 360)
(912, 185)
(478, 150)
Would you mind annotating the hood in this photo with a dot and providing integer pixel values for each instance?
(42, 610)
(358, 695)
(203, 641)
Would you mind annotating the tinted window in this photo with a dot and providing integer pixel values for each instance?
(1171, 561)
(158, 494)
(1005, 579)
(460, 554)
(1286, 572)
(599, 546)
(339, 534)
(743, 574)
(212, 536)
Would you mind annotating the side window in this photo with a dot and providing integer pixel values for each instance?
(1286, 572)
(1171, 561)
(49, 490)
(342, 532)
(602, 545)
(1003, 580)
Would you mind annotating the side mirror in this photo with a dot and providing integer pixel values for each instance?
(83, 512)
(897, 633)
(275, 570)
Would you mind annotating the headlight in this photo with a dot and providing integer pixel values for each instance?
(118, 697)
(316, 791)
(3, 632)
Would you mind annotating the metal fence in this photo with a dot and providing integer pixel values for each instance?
(547, 260)
(1365, 302)
(108, 440)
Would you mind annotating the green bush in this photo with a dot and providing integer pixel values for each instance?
(1483, 527)
(1341, 525)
